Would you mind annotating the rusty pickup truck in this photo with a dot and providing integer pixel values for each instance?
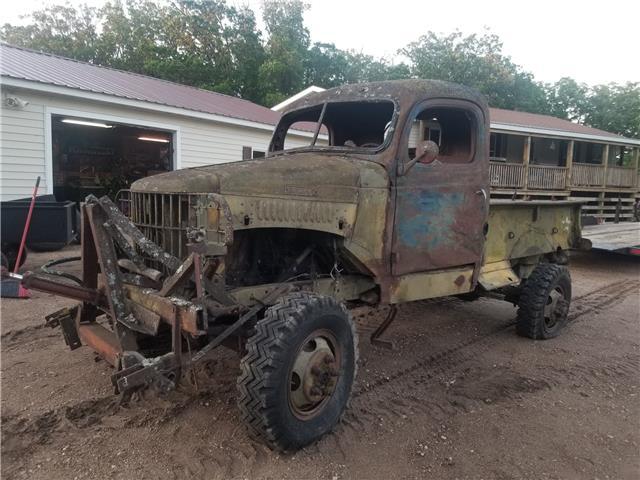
(388, 202)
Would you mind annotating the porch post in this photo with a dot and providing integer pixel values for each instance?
(636, 160)
(569, 165)
(605, 161)
(526, 154)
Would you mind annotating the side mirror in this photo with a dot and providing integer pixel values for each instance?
(426, 152)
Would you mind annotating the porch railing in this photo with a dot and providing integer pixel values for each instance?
(545, 177)
(542, 177)
(585, 175)
(620, 177)
(506, 175)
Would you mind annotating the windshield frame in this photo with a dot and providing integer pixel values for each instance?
(283, 126)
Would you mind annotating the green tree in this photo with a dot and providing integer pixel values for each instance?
(614, 108)
(287, 45)
(567, 98)
(58, 29)
(476, 61)
(325, 66)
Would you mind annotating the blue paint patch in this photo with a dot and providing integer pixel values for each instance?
(426, 218)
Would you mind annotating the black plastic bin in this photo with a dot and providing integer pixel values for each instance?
(53, 224)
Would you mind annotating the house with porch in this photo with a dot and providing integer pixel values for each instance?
(538, 156)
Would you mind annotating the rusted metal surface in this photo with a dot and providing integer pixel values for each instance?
(178, 278)
(146, 245)
(147, 320)
(166, 218)
(150, 273)
(118, 308)
(378, 332)
(124, 244)
(140, 281)
(103, 341)
(268, 299)
(89, 259)
(519, 229)
(76, 292)
(66, 320)
(138, 372)
(442, 206)
(169, 308)
(373, 223)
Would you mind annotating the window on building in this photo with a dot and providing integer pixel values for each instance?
(620, 156)
(549, 151)
(587, 152)
(506, 148)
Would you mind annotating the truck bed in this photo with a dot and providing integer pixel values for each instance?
(523, 228)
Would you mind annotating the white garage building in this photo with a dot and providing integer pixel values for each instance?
(85, 128)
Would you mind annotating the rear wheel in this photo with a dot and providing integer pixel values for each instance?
(297, 375)
(544, 302)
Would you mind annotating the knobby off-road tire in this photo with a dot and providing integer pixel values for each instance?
(301, 334)
(544, 302)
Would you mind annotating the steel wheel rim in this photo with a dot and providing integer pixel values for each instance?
(556, 308)
(314, 374)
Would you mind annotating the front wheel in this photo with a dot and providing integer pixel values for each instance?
(298, 372)
(544, 302)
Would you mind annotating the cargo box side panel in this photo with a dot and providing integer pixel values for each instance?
(524, 229)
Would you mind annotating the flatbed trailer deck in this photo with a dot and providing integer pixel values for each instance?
(623, 238)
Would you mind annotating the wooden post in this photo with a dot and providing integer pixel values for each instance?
(601, 197)
(605, 162)
(526, 154)
(569, 164)
(636, 160)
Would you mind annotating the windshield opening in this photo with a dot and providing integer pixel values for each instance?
(345, 125)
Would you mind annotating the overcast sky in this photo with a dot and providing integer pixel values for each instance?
(593, 42)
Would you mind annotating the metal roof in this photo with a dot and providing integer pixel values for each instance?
(50, 69)
(545, 122)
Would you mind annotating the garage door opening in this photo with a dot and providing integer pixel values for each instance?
(101, 158)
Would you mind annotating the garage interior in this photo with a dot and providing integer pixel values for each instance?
(101, 158)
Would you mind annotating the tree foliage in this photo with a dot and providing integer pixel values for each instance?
(474, 60)
(213, 45)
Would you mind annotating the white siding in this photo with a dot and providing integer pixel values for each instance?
(415, 134)
(22, 137)
(21, 150)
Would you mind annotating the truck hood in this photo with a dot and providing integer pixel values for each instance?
(312, 175)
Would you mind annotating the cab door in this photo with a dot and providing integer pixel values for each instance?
(441, 204)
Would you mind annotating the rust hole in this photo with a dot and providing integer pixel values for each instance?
(460, 280)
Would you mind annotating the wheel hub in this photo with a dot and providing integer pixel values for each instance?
(314, 376)
(556, 309)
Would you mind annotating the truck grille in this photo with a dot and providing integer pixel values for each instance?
(164, 217)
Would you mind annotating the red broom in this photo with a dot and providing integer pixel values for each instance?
(22, 292)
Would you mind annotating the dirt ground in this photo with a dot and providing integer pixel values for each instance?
(460, 397)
